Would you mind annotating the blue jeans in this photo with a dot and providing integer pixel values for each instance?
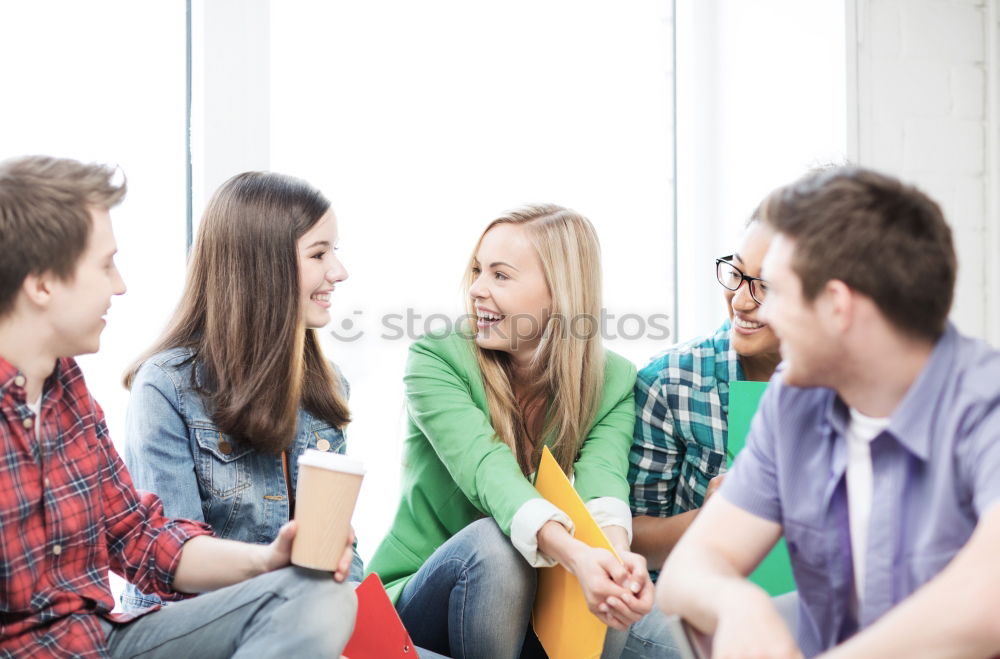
(472, 598)
(649, 637)
(291, 612)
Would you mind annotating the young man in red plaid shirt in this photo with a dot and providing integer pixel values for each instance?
(68, 510)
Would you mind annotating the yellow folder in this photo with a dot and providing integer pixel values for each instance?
(561, 619)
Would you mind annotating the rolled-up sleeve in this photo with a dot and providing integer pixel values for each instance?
(144, 546)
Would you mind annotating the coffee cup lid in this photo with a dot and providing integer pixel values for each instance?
(333, 461)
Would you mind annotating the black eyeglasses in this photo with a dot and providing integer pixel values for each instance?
(732, 278)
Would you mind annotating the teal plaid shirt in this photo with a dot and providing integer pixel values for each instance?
(682, 406)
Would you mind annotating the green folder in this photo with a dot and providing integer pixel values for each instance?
(774, 574)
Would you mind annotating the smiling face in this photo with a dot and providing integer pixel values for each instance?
(750, 336)
(509, 292)
(76, 306)
(319, 270)
(810, 348)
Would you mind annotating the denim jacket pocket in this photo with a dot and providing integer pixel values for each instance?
(326, 438)
(219, 465)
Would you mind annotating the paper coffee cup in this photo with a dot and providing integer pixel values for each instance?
(325, 495)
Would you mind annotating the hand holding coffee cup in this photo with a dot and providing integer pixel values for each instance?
(325, 496)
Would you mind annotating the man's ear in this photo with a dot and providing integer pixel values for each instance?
(836, 304)
(37, 288)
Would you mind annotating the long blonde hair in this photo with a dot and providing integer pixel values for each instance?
(568, 364)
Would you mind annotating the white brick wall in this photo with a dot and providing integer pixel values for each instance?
(923, 74)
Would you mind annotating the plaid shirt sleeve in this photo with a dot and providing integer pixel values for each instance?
(655, 458)
(144, 546)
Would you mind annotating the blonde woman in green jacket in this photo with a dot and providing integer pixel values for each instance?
(529, 370)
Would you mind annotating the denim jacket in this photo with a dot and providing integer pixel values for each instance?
(173, 448)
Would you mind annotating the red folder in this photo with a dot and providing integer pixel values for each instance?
(378, 631)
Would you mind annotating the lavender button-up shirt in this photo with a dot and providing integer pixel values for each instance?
(936, 470)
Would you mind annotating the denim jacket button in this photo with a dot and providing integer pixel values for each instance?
(323, 445)
(225, 447)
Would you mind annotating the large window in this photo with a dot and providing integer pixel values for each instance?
(105, 81)
(423, 121)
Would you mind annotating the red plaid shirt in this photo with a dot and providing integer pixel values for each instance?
(68, 513)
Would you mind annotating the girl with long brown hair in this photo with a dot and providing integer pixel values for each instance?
(482, 401)
(237, 387)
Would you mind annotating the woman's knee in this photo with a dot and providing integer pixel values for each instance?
(492, 556)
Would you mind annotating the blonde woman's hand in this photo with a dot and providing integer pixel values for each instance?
(601, 577)
(638, 598)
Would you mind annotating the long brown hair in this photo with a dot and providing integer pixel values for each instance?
(240, 314)
(569, 361)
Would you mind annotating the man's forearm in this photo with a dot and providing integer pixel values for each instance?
(696, 582)
(705, 573)
(952, 615)
(655, 537)
(946, 622)
(209, 563)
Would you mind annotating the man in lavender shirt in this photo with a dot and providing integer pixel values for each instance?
(876, 450)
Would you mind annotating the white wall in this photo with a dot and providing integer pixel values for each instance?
(761, 97)
(924, 82)
(105, 82)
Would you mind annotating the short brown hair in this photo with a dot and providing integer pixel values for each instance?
(45, 216)
(879, 236)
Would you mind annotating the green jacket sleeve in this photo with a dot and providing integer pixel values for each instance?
(602, 468)
(447, 405)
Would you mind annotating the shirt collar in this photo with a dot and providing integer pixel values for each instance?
(727, 362)
(911, 422)
(7, 374)
(51, 387)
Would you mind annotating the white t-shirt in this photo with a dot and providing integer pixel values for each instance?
(36, 409)
(861, 431)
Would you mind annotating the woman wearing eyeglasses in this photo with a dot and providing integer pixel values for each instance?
(682, 404)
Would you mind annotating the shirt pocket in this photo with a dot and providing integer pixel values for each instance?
(806, 547)
(327, 438)
(701, 464)
(222, 463)
(811, 566)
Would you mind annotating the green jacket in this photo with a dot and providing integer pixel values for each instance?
(455, 471)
